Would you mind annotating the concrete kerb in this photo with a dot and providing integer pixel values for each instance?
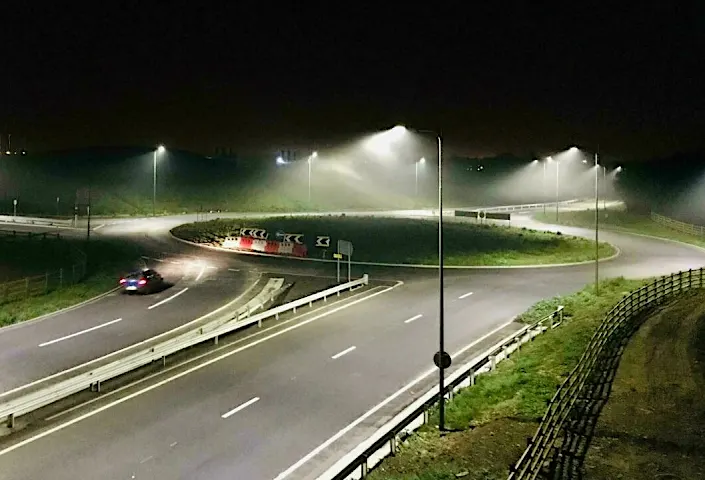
(617, 253)
(57, 312)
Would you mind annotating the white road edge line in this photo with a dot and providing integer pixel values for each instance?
(465, 295)
(167, 299)
(377, 407)
(192, 360)
(415, 317)
(51, 342)
(99, 226)
(188, 371)
(233, 269)
(240, 407)
(340, 354)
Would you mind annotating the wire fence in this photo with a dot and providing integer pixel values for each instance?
(48, 281)
(689, 228)
(558, 448)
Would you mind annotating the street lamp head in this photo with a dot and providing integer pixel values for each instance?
(314, 155)
(280, 161)
(160, 148)
(397, 131)
(535, 161)
(618, 169)
(584, 160)
(549, 158)
(422, 160)
(573, 150)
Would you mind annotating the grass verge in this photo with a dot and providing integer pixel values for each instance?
(106, 260)
(620, 220)
(395, 240)
(493, 418)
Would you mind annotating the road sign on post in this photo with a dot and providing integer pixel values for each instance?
(345, 247)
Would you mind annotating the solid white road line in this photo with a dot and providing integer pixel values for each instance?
(241, 407)
(99, 226)
(80, 333)
(233, 269)
(188, 371)
(347, 350)
(167, 299)
(415, 317)
(465, 295)
(376, 408)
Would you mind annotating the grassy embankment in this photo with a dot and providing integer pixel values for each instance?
(494, 417)
(619, 220)
(106, 260)
(413, 241)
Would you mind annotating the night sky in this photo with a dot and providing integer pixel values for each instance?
(515, 79)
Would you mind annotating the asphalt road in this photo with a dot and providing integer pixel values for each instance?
(304, 395)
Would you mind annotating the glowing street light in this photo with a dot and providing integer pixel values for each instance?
(280, 160)
(310, 161)
(421, 161)
(160, 149)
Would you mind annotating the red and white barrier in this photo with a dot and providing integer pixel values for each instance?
(265, 246)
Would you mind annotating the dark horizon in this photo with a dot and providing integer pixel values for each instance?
(626, 80)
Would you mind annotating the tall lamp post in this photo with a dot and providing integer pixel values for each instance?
(421, 161)
(159, 149)
(597, 223)
(558, 169)
(310, 161)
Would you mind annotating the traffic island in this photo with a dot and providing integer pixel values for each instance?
(400, 240)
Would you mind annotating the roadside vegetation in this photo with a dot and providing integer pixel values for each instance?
(395, 240)
(620, 220)
(491, 420)
(654, 422)
(107, 259)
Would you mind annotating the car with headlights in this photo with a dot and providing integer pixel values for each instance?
(142, 281)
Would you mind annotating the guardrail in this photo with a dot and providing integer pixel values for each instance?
(385, 440)
(39, 395)
(559, 445)
(528, 206)
(50, 280)
(35, 220)
(689, 228)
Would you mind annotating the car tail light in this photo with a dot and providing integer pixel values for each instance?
(122, 280)
(142, 281)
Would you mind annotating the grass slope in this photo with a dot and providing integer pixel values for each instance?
(619, 220)
(414, 241)
(106, 260)
(494, 417)
(654, 421)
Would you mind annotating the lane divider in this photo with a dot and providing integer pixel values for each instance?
(415, 317)
(346, 351)
(51, 342)
(240, 407)
(167, 299)
(465, 295)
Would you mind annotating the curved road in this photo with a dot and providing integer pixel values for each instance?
(288, 403)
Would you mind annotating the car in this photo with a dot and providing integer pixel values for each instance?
(142, 281)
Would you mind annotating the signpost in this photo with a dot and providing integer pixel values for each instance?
(345, 247)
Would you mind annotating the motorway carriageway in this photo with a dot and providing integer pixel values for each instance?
(262, 410)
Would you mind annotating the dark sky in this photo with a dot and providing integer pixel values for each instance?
(517, 78)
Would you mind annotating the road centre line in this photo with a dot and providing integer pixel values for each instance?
(200, 274)
(189, 371)
(415, 317)
(377, 407)
(50, 342)
(191, 360)
(167, 299)
(240, 407)
(340, 354)
(465, 295)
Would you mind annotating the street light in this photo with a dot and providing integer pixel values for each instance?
(280, 161)
(421, 161)
(441, 358)
(310, 161)
(159, 149)
(597, 222)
